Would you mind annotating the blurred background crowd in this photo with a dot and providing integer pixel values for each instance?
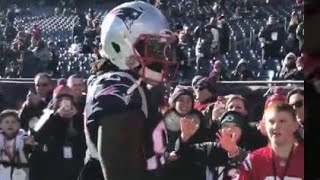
(235, 39)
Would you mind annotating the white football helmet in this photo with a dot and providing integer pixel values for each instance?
(136, 36)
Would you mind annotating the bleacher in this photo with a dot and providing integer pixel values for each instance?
(243, 39)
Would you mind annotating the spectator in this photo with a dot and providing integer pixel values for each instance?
(188, 34)
(36, 101)
(9, 33)
(82, 18)
(224, 34)
(185, 56)
(90, 15)
(195, 81)
(42, 52)
(61, 131)
(53, 61)
(276, 97)
(237, 103)
(57, 11)
(77, 85)
(36, 32)
(213, 29)
(76, 47)
(299, 75)
(182, 107)
(292, 43)
(213, 155)
(13, 145)
(202, 56)
(21, 35)
(87, 46)
(223, 104)
(219, 71)
(10, 16)
(242, 72)
(181, 103)
(240, 104)
(283, 151)
(288, 67)
(33, 44)
(90, 32)
(30, 64)
(300, 35)
(295, 98)
(271, 38)
(77, 30)
(205, 92)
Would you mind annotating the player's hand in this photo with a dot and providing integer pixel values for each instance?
(173, 156)
(188, 128)
(228, 142)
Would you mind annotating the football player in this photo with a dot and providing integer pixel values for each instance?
(124, 129)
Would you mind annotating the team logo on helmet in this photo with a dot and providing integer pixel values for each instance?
(127, 15)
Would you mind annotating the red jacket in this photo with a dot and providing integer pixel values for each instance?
(259, 165)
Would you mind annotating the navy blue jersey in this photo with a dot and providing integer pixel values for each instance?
(109, 94)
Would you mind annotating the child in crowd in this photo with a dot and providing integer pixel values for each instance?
(13, 143)
(216, 157)
(283, 158)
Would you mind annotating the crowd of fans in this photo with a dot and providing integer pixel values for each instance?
(217, 40)
(237, 40)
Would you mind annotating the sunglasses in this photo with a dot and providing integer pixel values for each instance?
(297, 104)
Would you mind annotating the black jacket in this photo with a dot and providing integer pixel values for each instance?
(48, 161)
(210, 154)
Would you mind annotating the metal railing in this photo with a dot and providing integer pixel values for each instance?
(280, 82)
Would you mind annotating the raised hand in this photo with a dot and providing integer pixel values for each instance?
(188, 128)
(228, 142)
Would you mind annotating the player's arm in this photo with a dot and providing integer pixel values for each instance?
(119, 138)
(120, 145)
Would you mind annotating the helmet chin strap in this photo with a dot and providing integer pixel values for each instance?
(156, 78)
(134, 86)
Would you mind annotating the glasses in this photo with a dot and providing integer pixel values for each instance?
(297, 104)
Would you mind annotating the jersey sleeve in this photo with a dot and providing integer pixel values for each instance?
(109, 96)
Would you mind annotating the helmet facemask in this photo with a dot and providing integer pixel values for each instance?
(156, 55)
